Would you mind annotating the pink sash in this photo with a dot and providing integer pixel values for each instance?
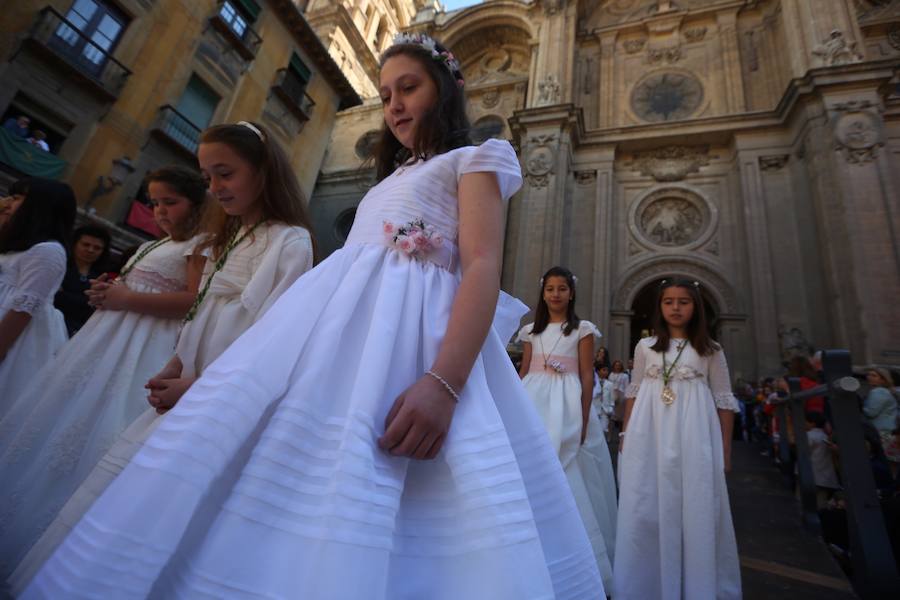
(566, 363)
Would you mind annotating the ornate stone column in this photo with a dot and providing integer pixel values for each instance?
(545, 137)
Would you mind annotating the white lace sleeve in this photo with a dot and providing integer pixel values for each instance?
(637, 373)
(499, 158)
(720, 383)
(41, 271)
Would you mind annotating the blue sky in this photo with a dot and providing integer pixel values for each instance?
(454, 4)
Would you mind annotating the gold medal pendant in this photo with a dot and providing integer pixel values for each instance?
(668, 395)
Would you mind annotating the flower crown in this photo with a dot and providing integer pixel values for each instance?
(445, 57)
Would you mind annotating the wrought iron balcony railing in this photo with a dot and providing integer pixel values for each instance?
(292, 91)
(177, 128)
(236, 30)
(60, 39)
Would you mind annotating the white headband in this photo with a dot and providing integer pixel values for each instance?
(253, 128)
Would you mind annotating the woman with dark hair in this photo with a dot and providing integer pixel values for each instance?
(557, 370)
(802, 368)
(32, 264)
(90, 252)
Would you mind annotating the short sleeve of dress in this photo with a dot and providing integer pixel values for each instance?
(586, 328)
(720, 383)
(637, 373)
(190, 248)
(289, 257)
(525, 333)
(41, 271)
(498, 157)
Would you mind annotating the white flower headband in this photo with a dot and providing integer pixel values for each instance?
(445, 57)
(574, 278)
(696, 284)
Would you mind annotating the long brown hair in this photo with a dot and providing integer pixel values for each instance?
(698, 332)
(190, 184)
(443, 128)
(282, 198)
(542, 312)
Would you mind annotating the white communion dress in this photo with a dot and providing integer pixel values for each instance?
(28, 282)
(675, 536)
(266, 480)
(257, 271)
(555, 390)
(76, 405)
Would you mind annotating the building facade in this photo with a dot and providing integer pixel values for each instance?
(125, 86)
(752, 146)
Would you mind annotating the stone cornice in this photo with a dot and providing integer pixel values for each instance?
(648, 22)
(297, 24)
(720, 129)
(337, 15)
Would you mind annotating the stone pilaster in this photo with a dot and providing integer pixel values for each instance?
(545, 138)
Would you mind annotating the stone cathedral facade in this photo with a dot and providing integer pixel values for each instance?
(752, 146)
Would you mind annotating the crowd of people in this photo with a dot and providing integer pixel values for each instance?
(879, 409)
(220, 390)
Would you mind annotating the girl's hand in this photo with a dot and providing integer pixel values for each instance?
(115, 297)
(165, 393)
(419, 420)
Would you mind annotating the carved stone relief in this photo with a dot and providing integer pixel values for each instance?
(548, 90)
(490, 98)
(836, 50)
(670, 55)
(666, 96)
(695, 34)
(894, 37)
(540, 160)
(671, 221)
(858, 131)
(585, 177)
(774, 162)
(671, 163)
(634, 46)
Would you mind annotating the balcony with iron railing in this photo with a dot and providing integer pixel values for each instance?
(237, 31)
(177, 129)
(58, 39)
(292, 91)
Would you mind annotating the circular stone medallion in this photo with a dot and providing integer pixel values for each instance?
(666, 96)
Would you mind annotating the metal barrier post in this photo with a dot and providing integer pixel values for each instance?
(874, 570)
(807, 482)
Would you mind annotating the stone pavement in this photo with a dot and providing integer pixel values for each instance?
(779, 558)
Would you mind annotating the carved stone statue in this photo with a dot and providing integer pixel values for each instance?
(548, 90)
(836, 51)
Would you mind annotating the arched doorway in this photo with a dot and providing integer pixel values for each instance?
(643, 306)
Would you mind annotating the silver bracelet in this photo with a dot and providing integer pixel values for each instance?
(444, 383)
(621, 434)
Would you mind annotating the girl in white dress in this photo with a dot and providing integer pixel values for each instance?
(258, 247)
(291, 468)
(557, 370)
(675, 537)
(32, 266)
(620, 381)
(92, 390)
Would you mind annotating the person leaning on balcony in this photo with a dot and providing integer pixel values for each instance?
(38, 138)
(18, 126)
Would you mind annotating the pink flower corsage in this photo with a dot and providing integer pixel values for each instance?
(556, 365)
(414, 238)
